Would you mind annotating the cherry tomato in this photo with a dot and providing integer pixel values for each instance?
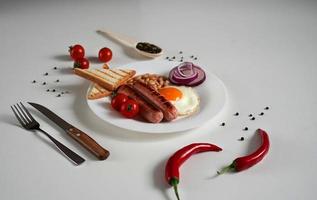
(118, 100)
(77, 51)
(130, 108)
(82, 63)
(105, 54)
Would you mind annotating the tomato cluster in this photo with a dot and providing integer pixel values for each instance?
(126, 106)
(77, 53)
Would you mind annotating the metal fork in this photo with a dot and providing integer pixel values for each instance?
(29, 123)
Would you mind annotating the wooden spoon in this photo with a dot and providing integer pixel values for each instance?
(132, 43)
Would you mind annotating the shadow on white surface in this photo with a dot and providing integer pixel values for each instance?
(159, 181)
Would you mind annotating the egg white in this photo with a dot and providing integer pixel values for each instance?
(188, 103)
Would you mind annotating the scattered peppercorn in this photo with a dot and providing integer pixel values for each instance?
(250, 115)
(34, 81)
(46, 74)
(53, 90)
(180, 52)
(44, 83)
(223, 124)
(55, 68)
(236, 114)
(195, 58)
(253, 118)
(62, 92)
(241, 139)
(173, 57)
(266, 108)
(246, 128)
(167, 58)
(191, 56)
(181, 61)
(59, 95)
(57, 80)
(262, 113)
(47, 90)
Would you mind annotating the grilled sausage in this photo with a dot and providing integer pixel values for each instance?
(147, 111)
(156, 99)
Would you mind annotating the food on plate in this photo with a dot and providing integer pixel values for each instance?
(187, 74)
(129, 108)
(173, 164)
(156, 99)
(97, 92)
(105, 54)
(245, 162)
(82, 63)
(118, 100)
(183, 98)
(109, 79)
(76, 51)
(156, 81)
(147, 111)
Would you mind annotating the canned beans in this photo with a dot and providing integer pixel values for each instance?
(156, 81)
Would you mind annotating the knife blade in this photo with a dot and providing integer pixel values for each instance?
(81, 137)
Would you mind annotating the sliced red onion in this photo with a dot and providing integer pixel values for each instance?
(194, 80)
(186, 66)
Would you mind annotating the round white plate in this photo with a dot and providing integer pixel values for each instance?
(212, 95)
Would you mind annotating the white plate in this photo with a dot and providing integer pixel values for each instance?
(212, 95)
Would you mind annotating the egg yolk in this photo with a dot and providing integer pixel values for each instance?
(171, 93)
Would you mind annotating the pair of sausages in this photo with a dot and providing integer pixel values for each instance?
(153, 106)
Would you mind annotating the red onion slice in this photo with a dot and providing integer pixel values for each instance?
(197, 76)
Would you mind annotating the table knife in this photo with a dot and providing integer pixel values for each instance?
(81, 137)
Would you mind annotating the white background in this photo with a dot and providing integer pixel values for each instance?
(264, 51)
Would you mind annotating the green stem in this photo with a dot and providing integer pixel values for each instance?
(229, 168)
(174, 182)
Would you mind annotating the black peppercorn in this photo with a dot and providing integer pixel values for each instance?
(173, 57)
(262, 113)
(180, 52)
(246, 128)
(55, 67)
(46, 74)
(58, 95)
(266, 108)
(34, 81)
(44, 83)
(53, 90)
(253, 118)
(47, 90)
(195, 58)
(223, 124)
(250, 115)
(242, 138)
(191, 56)
(57, 80)
(167, 58)
(236, 114)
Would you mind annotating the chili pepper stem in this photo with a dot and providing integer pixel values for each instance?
(226, 169)
(174, 182)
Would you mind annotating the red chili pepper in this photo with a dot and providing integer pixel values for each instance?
(245, 162)
(179, 157)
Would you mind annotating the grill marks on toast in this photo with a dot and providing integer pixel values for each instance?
(109, 79)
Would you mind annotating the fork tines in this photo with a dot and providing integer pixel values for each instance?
(22, 114)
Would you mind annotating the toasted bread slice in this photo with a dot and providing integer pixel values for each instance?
(109, 79)
(97, 92)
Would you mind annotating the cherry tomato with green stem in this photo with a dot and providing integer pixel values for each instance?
(82, 63)
(76, 51)
(130, 108)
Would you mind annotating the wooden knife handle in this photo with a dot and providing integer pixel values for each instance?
(89, 143)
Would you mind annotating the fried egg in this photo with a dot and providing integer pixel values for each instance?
(185, 99)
